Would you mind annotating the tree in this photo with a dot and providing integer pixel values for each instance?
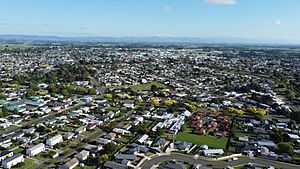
(92, 91)
(154, 88)
(170, 102)
(295, 116)
(190, 107)
(160, 131)
(232, 132)
(108, 96)
(236, 111)
(139, 99)
(29, 93)
(110, 148)
(213, 110)
(3, 96)
(284, 147)
(65, 92)
(105, 157)
(154, 102)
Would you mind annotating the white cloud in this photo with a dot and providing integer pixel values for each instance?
(168, 8)
(278, 22)
(221, 2)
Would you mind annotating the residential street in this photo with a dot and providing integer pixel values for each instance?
(191, 160)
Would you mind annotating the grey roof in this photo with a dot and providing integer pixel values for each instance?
(114, 165)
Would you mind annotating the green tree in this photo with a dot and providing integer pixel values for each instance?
(105, 157)
(284, 147)
(154, 88)
(29, 93)
(110, 148)
(154, 102)
(65, 92)
(3, 96)
(160, 131)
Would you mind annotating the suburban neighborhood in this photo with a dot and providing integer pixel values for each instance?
(149, 106)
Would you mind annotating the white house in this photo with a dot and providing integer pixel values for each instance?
(12, 161)
(54, 140)
(142, 138)
(34, 150)
(6, 154)
(213, 152)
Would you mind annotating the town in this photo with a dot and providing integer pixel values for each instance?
(146, 106)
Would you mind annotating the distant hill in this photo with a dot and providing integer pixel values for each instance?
(153, 39)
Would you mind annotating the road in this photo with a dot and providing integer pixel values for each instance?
(191, 160)
(51, 115)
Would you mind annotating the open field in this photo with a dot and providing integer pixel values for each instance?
(212, 142)
(147, 86)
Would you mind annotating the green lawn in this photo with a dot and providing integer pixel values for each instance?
(240, 134)
(212, 142)
(147, 86)
(28, 164)
(123, 139)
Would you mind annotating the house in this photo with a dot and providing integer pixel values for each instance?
(86, 99)
(142, 138)
(182, 145)
(6, 154)
(172, 165)
(91, 126)
(4, 141)
(54, 140)
(16, 136)
(127, 126)
(135, 148)
(159, 142)
(29, 131)
(93, 148)
(70, 164)
(5, 125)
(82, 155)
(12, 161)
(80, 130)
(126, 162)
(110, 136)
(34, 150)
(103, 141)
(294, 137)
(114, 165)
(130, 157)
(68, 135)
(266, 143)
(212, 152)
(121, 131)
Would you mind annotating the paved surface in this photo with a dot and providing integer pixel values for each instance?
(242, 160)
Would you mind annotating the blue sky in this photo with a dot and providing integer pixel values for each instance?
(255, 19)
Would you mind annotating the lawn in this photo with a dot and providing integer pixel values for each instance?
(28, 164)
(240, 134)
(147, 86)
(212, 142)
(123, 139)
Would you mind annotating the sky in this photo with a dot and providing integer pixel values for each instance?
(254, 19)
